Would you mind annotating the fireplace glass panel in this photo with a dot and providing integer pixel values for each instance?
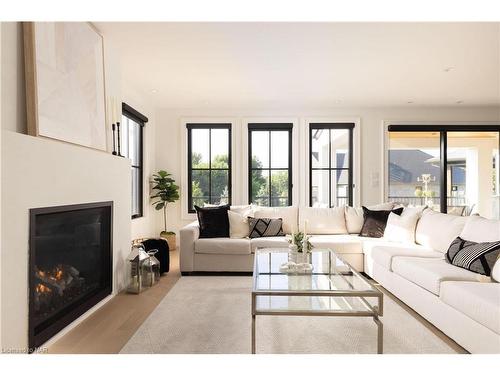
(70, 265)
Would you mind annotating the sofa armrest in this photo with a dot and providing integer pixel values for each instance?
(189, 234)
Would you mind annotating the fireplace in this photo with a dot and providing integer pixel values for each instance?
(70, 265)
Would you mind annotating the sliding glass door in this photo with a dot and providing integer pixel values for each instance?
(451, 169)
(472, 173)
(414, 176)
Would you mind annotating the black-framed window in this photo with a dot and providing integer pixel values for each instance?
(330, 164)
(132, 147)
(209, 164)
(270, 164)
(450, 168)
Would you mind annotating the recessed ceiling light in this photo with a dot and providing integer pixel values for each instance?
(448, 69)
(154, 91)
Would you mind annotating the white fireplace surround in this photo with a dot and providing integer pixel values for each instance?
(39, 172)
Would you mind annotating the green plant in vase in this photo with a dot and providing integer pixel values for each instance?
(165, 191)
(300, 240)
(296, 239)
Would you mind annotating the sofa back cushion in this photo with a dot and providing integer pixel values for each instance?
(288, 214)
(480, 229)
(323, 220)
(354, 217)
(437, 231)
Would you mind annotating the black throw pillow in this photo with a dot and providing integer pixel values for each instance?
(375, 222)
(473, 256)
(213, 221)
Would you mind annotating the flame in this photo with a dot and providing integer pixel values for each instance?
(40, 288)
(56, 274)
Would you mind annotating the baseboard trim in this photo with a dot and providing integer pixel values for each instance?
(216, 273)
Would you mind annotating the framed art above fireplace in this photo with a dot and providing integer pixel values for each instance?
(65, 88)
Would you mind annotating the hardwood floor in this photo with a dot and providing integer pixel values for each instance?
(108, 329)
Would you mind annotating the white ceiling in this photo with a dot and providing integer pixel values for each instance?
(317, 65)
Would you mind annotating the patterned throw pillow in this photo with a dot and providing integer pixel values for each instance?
(476, 257)
(264, 227)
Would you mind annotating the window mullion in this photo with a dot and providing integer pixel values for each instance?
(444, 171)
(329, 167)
(269, 171)
(210, 166)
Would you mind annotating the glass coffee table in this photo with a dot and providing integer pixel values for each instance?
(333, 288)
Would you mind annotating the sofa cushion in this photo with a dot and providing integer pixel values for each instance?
(288, 214)
(479, 229)
(473, 256)
(228, 246)
(479, 301)
(265, 227)
(429, 273)
(437, 230)
(238, 224)
(323, 220)
(401, 228)
(213, 221)
(341, 243)
(268, 242)
(384, 255)
(375, 221)
(354, 217)
(495, 272)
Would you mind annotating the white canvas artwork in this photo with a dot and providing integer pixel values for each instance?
(69, 75)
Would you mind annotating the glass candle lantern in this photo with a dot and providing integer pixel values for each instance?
(154, 268)
(138, 268)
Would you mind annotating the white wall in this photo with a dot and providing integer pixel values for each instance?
(170, 151)
(117, 86)
(14, 119)
(40, 172)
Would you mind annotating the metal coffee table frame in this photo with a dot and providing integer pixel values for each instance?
(372, 311)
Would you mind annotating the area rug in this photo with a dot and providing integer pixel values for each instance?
(208, 314)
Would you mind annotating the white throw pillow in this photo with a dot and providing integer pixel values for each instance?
(238, 223)
(495, 272)
(401, 228)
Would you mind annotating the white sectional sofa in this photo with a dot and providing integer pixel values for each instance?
(462, 304)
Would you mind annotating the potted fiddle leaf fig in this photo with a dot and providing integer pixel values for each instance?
(165, 191)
